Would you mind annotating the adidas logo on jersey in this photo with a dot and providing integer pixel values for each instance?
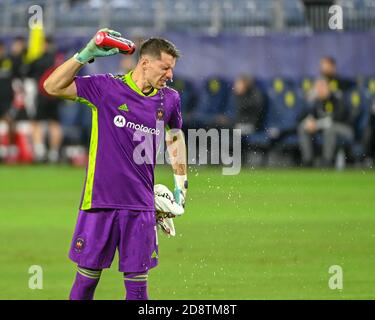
(123, 107)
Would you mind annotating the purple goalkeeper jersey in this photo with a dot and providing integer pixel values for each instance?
(124, 122)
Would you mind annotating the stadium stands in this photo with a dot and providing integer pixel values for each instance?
(213, 102)
(287, 101)
(205, 98)
(250, 16)
(285, 107)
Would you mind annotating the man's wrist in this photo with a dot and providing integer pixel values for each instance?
(181, 181)
(82, 58)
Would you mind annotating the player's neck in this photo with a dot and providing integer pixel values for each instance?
(139, 80)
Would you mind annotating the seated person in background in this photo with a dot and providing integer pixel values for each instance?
(329, 72)
(46, 107)
(213, 109)
(248, 104)
(6, 97)
(369, 137)
(188, 102)
(327, 115)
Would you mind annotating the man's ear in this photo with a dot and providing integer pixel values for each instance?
(145, 61)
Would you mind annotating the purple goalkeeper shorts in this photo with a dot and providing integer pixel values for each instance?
(99, 233)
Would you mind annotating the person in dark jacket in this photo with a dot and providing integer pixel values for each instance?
(248, 103)
(369, 136)
(327, 115)
(6, 91)
(46, 107)
(18, 57)
(6, 96)
(328, 71)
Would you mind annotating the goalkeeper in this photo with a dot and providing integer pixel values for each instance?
(117, 206)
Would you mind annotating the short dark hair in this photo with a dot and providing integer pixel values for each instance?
(330, 59)
(155, 46)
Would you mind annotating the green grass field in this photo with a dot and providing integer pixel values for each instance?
(268, 234)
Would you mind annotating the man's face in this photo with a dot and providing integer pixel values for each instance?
(240, 86)
(327, 68)
(158, 71)
(18, 47)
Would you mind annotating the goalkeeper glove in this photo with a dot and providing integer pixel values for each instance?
(91, 51)
(165, 224)
(180, 189)
(166, 208)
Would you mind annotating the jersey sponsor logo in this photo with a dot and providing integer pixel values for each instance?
(121, 122)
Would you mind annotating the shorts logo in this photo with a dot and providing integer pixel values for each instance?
(154, 255)
(119, 121)
(79, 245)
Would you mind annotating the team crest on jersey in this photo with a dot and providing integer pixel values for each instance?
(79, 245)
(160, 114)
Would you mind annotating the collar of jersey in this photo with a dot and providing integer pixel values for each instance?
(129, 81)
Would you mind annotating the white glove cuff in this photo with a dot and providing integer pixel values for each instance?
(181, 181)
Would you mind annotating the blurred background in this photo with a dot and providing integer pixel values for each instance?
(248, 64)
(303, 96)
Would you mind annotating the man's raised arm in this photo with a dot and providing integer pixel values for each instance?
(61, 81)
